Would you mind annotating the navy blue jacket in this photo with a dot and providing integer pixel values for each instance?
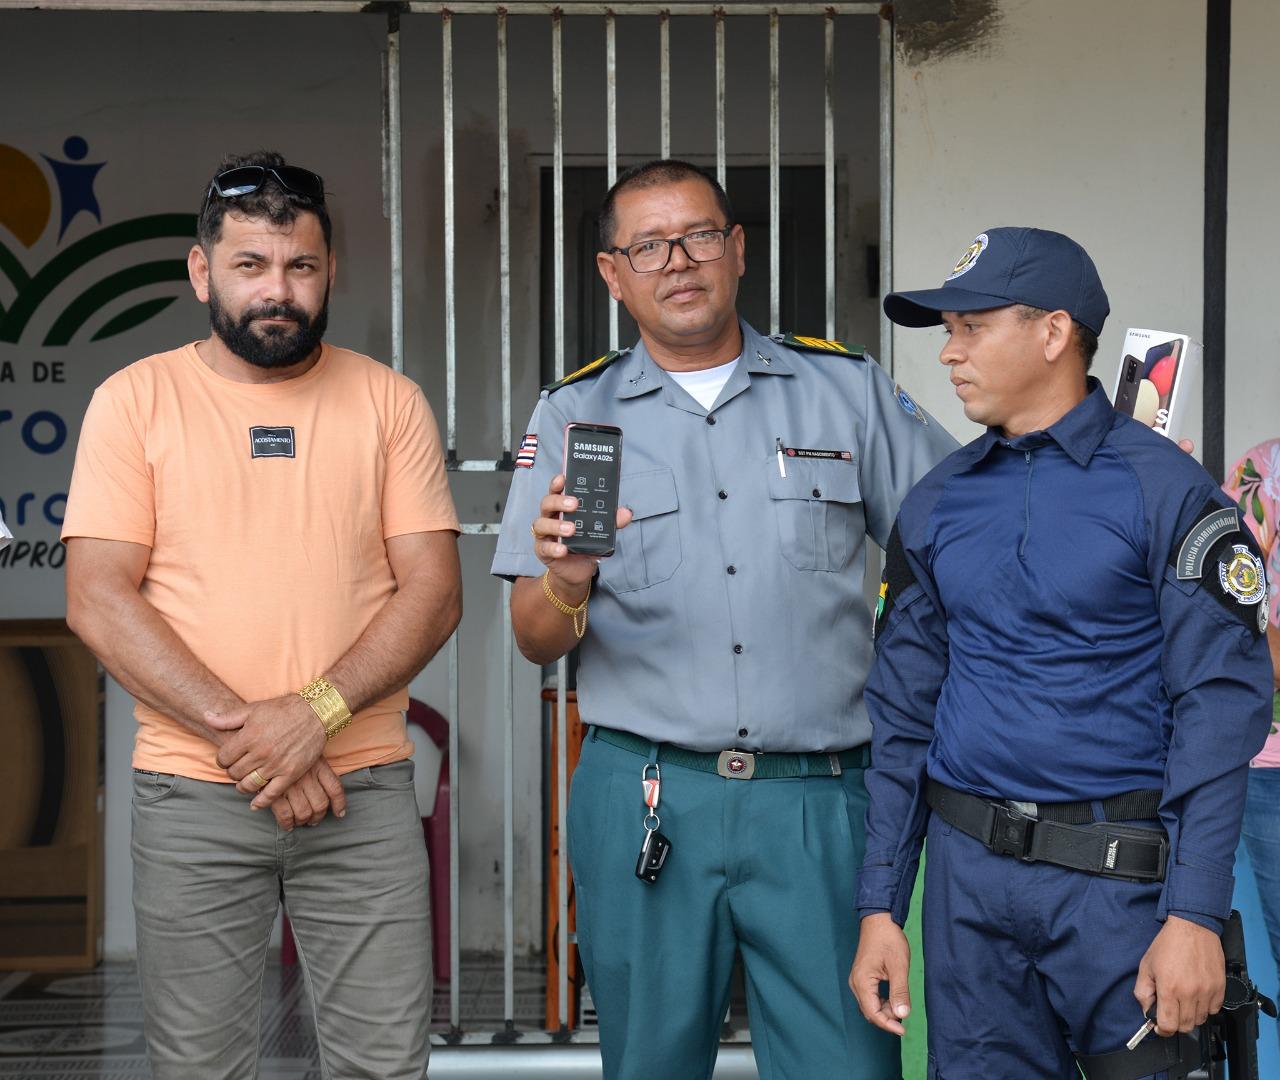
(1069, 615)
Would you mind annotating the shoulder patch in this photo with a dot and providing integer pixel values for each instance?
(1193, 549)
(908, 405)
(1239, 583)
(898, 577)
(596, 365)
(1226, 562)
(813, 344)
(528, 452)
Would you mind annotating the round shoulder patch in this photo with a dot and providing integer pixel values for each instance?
(909, 405)
(970, 257)
(1242, 575)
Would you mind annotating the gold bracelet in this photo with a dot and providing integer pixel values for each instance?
(567, 609)
(327, 704)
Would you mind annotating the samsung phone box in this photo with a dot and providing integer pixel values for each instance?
(1159, 379)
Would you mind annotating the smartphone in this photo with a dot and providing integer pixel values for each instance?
(1158, 390)
(592, 464)
(1127, 388)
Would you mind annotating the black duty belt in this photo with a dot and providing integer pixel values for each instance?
(742, 764)
(1105, 848)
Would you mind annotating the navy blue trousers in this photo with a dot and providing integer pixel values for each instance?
(1026, 962)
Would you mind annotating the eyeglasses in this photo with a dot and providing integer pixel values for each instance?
(246, 179)
(705, 245)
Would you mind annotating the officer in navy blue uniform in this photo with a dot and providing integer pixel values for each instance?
(723, 651)
(1071, 676)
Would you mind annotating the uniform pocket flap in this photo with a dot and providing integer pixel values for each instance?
(827, 481)
(648, 494)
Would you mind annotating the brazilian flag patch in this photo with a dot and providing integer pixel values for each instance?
(898, 577)
(880, 606)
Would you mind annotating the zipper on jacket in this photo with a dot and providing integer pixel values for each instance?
(1026, 510)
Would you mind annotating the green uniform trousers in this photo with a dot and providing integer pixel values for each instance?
(765, 867)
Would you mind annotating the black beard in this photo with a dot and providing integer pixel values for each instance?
(272, 346)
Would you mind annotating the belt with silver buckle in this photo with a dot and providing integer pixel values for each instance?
(742, 764)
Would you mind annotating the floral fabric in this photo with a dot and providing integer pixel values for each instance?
(1254, 482)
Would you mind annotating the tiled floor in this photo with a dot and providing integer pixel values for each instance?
(89, 1027)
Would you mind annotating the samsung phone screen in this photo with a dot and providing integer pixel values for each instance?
(592, 460)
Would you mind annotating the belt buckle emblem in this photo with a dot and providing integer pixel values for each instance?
(736, 764)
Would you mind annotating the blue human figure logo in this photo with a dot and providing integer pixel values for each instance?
(26, 210)
(75, 182)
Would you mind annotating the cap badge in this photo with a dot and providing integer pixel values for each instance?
(1242, 576)
(970, 257)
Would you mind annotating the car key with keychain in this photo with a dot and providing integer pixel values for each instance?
(656, 847)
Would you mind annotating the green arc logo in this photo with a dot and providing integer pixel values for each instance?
(25, 197)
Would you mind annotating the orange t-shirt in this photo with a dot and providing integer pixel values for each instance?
(266, 508)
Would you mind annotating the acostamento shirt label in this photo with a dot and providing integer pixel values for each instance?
(271, 442)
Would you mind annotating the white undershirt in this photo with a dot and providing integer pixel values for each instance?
(704, 385)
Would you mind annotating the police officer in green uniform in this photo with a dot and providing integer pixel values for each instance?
(724, 648)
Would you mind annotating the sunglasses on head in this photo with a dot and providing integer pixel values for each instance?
(246, 179)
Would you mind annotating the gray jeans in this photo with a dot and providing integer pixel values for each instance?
(208, 877)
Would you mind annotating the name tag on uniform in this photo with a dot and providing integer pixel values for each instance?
(822, 455)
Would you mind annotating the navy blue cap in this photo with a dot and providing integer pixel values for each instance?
(1012, 266)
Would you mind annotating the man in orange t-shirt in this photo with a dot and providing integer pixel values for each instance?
(262, 549)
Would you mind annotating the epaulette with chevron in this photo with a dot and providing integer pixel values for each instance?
(815, 344)
(597, 365)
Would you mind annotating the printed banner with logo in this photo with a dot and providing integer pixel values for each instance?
(81, 280)
(117, 122)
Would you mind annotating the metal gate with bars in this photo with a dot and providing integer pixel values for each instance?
(559, 1053)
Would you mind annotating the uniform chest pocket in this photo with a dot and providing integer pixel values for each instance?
(819, 512)
(648, 550)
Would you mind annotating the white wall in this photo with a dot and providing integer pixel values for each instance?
(1084, 117)
(1253, 230)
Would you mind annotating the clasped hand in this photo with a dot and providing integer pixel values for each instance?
(281, 741)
